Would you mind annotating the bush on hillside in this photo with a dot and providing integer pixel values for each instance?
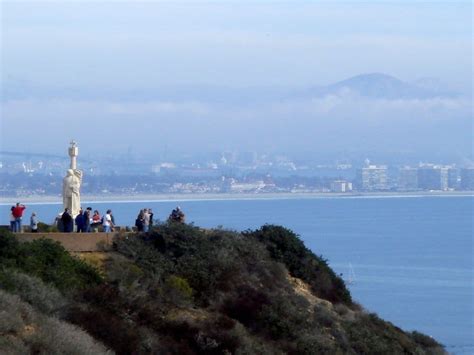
(47, 260)
(24, 330)
(182, 289)
(370, 334)
(109, 325)
(286, 247)
(32, 290)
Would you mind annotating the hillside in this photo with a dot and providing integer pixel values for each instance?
(185, 290)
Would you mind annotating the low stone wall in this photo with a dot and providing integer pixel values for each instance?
(75, 242)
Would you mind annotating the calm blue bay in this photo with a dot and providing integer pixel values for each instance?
(412, 257)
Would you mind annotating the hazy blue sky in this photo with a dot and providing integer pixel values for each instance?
(128, 45)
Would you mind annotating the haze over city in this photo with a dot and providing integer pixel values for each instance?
(310, 79)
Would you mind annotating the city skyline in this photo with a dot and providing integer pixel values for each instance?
(234, 173)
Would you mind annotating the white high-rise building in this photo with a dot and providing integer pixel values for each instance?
(373, 178)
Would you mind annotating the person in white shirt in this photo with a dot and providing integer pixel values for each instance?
(107, 224)
(34, 223)
(146, 220)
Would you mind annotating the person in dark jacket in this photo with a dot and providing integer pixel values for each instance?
(139, 221)
(177, 216)
(80, 221)
(67, 221)
(86, 220)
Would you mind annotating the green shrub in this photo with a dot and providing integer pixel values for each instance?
(316, 344)
(13, 313)
(9, 248)
(47, 260)
(140, 250)
(371, 335)
(11, 345)
(119, 334)
(286, 247)
(21, 327)
(177, 290)
(123, 272)
(45, 298)
(424, 340)
(204, 337)
(323, 316)
(245, 305)
(282, 318)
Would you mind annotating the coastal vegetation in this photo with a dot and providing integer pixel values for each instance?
(181, 289)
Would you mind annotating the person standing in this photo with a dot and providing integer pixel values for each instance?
(34, 223)
(177, 215)
(80, 221)
(139, 221)
(67, 221)
(146, 220)
(108, 224)
(12, 220)
(95, 221)
(87, 219)
(59, 223)
(18, 214)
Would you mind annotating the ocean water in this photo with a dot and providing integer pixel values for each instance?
(412, 257)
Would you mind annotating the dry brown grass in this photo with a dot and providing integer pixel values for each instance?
(96, 259)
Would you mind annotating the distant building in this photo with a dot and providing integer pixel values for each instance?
(467, 179)
(433, 177)
(408, 179)
(254, 186)
(373, 178)
(341, 186)
(454, 178)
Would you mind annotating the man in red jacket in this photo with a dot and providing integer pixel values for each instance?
(18, 214)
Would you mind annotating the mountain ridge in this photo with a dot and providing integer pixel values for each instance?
(375, 85)
(372, 85)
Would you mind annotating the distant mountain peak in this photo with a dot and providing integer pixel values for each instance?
(372, 76)
(376, 85)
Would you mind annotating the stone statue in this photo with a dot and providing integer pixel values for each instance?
(72, 183)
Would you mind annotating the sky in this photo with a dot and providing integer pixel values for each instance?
(215, 76)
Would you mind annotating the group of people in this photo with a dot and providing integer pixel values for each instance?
(177, 215)
(16, 219)
(88, 221)
(144, 220)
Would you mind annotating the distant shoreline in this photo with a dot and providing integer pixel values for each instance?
(231, 196)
